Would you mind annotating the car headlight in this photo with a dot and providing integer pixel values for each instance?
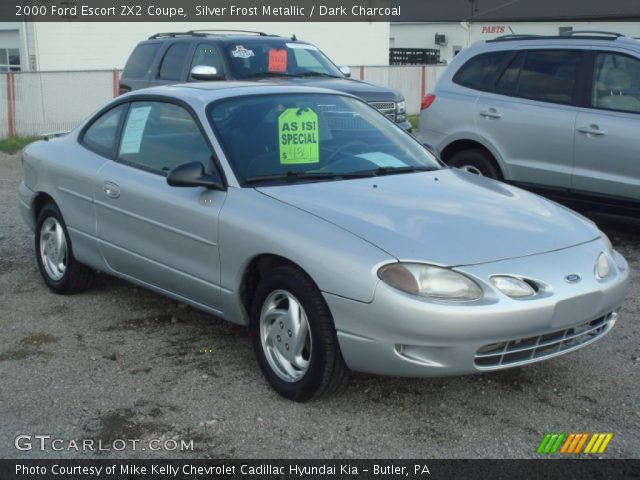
(512, 286)
(602, 266)
(429, 281)
(401, 107)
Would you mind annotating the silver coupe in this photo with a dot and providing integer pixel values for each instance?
(313, 219)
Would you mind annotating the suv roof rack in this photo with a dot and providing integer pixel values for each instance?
(204, 33)
(247, 32)
(591, 32)
(573, 35)
(517, 36)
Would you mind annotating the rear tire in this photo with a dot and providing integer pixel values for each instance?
(62, 273)
(294, 336)
(476, 161)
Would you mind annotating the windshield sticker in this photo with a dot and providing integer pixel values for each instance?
(241, 52)
(277, 60)
(133, 130)
(304, 46)
(298, 136)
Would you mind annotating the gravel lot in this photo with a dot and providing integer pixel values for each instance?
(122, 362)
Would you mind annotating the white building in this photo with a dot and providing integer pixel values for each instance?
(48, 46)
(450, 37)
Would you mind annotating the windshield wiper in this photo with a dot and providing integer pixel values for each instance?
(394, 170)
(316, 74)
(295, 176)
(290, 176)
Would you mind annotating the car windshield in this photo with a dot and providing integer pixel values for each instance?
(312, 137)
(252, 59)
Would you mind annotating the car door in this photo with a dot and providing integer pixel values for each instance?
(163, 236)
(529, 117)
(607, 139)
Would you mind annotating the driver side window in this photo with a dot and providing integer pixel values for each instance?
(207, 54)
(159, 136)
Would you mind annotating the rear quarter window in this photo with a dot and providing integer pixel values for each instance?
(479, 72)
(140, 60)
(173, 61)
(102, 135)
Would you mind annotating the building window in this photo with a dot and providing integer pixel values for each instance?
(9, 60)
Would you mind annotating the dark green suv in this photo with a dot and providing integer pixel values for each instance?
(213, 55)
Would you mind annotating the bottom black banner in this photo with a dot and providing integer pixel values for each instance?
(316, 469)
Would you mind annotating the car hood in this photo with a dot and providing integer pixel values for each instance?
(366, 91)
(446, 217)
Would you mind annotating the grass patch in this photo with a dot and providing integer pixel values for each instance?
(15, 144)
(413, 120)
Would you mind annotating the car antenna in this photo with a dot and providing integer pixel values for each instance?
(293, 37)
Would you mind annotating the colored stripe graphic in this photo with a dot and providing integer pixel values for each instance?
(550, 443)
(598, 443)
(573, 443)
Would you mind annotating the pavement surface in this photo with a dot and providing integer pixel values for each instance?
(121, 363)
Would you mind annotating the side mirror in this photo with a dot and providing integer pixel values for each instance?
(192, 175)
(346, 71)
(205, 72)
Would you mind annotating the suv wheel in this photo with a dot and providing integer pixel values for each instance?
(294, 337)
(477, 162)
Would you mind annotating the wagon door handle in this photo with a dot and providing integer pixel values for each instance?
(111, 190)
(591, 130)
(490, 113)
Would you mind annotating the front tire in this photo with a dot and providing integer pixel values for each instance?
(62, 273)
(477, 162)
(294, 336)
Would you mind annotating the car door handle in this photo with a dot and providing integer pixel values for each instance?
(490, 113)
(591, 130)
(111, 189)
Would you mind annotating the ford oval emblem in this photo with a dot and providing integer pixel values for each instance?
(573, 278)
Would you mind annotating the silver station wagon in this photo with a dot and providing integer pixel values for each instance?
(313, 219)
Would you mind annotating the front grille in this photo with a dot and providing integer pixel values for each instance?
(387, 108)
(383, 105)
(534, 349)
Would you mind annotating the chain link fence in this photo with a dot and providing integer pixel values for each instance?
(33, 103)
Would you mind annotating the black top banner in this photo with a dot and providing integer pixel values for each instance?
(314, 10)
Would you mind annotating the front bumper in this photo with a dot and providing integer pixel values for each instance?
(402, 335)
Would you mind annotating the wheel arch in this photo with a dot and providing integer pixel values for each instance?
(459, 145)
(257, 268)
(41, 199)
